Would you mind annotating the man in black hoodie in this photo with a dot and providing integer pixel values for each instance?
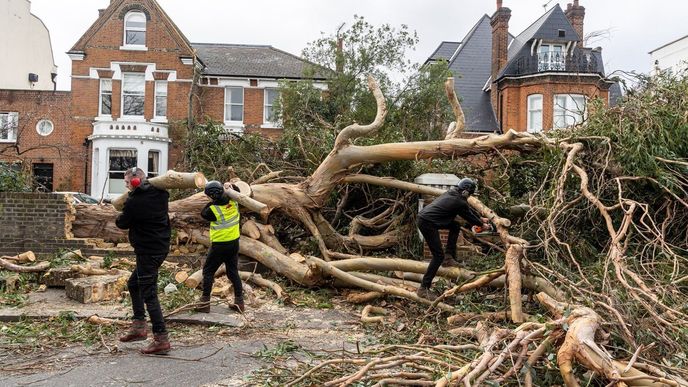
(145, 214)
(439, 215)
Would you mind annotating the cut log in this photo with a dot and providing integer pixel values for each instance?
(250, 229)
(244, 187)
(42, 266)
(93, 289)
(28, 256)
(181, 276)
(250, 203)
(169, 180)
(362, 298)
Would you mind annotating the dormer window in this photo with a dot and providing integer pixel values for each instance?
(135, 29)
(551, 57)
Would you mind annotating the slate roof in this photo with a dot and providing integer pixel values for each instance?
(261, 61)
(444, 51)
(471, 67)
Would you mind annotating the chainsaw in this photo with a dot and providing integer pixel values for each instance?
(484, 231)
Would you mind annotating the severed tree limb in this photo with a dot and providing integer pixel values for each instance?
(264, 283)
(97, 320)
(41, 266)
(368, 310)
(513, 279)
(355, 130)
(579, 345)
(460, 120)
(330, 269)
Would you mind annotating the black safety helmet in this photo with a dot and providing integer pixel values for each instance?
(214, 189)
(466, 186)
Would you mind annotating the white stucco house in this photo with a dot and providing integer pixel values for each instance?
(26, 54)
(671, 56)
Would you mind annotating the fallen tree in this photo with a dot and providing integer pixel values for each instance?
(591, 262)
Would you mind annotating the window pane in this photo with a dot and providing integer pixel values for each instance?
(133, 105)
(136, 18)
(160, 88)
(237, 113)
(535, 102)
(136, 37)
(161, 106)
(153, 163)
(269, 114)
(106, 85)
(134, 83)
(271, 95)
(106, 104)
(237, 95)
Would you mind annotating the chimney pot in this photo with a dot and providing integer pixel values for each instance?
(101, 12)
(499, 4)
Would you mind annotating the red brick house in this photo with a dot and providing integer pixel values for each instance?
(134, 76)
(538, 80)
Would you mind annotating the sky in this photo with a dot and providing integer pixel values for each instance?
(634, 27)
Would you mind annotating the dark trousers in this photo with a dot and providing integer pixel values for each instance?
(219, 253)
(431, 235)
(143, 288)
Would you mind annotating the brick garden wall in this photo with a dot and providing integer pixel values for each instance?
(33, 221)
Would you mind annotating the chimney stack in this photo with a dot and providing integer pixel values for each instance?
(500, 38)
(576, 15)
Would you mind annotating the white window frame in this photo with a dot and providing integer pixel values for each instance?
(100, 98)
(229, 103)
(138, 117)
(38, 127)
(531, 109)
(570, 113)
(266, 106)
(160, 118)
(109, 170)
(9, 118)
(128, 46)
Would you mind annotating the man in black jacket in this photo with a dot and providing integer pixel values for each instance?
(439, 215)
(145, 214)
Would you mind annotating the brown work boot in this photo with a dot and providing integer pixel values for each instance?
(159, 346)
(239, 305)
(449, 261)
(426, 293)
(203, 305)
(137, 332)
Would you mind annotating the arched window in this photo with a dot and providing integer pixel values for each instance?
(135, 29)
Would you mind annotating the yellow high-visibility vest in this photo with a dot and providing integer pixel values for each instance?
(225, 228)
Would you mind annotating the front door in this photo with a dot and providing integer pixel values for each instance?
(43, 176)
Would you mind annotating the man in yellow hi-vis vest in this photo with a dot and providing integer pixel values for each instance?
(223, 214)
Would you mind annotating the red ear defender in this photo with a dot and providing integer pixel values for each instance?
(135, 182)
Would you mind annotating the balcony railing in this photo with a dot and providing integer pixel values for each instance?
(554, 61)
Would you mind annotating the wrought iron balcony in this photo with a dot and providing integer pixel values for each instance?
(553, 61)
